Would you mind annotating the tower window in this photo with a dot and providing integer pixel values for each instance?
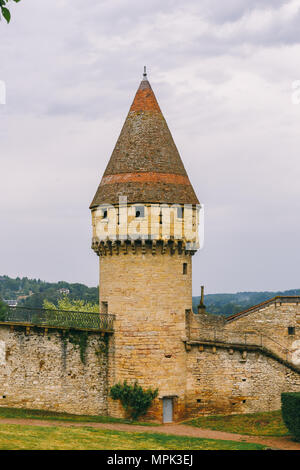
(140, 211)
(104, 214)
(180, 212)
(184, 268)
(291, 330)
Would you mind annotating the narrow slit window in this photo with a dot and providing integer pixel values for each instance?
(184, 268)
(180, 212)
(140, 211)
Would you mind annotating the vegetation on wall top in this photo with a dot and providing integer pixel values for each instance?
(66, 304)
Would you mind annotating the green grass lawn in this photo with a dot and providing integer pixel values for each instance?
(18, 437)
(54, 416)
(255, 424)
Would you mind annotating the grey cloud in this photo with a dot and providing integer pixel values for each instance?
(232, 10)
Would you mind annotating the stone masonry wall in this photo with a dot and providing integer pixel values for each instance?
(272, 321)
(230, 381)
(150, 296)
(267, 327)
(45, 371)
(203, 323)
(236, 379)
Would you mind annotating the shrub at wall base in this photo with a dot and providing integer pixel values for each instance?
(133, 398)
(290, 407)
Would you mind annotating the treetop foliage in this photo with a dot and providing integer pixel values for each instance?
(72, 305)
(4, 10)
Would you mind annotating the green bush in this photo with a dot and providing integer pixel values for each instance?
(133, 398)
(290, 408)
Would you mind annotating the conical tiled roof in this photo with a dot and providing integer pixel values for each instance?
(145, 165)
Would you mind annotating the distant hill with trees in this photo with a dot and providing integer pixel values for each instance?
(34, 292)
(228, 304)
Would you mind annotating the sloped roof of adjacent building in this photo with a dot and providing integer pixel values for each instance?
(145, 164)
(274, 300)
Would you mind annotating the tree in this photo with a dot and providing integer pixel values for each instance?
(3, 310)
(72, 305)
(133, 398)
(5, 11)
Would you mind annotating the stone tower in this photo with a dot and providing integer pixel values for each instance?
(145, 219)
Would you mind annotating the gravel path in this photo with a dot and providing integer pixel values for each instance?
(281, 443)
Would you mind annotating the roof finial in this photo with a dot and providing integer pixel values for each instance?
(145, 73)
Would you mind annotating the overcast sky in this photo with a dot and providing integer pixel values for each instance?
(222, 73)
